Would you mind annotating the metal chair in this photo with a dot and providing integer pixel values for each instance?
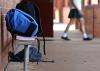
(27, 41)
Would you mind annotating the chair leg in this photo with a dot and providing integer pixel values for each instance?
(44, 46)
(13, 37)
(44, 50)
(38, 41)
(26, 58)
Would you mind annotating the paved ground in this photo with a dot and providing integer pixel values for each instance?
(74, 55)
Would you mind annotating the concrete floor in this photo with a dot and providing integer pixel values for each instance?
(74, 55)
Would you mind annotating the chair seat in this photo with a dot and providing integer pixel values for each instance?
(25, 40)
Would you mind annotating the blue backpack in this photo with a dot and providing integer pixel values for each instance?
(21, 23)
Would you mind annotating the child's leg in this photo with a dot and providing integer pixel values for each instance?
(65, 34)
(83, 27)
(85, 36)
(72, 21)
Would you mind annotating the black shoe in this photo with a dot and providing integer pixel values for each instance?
(65, 38)
(87, 39)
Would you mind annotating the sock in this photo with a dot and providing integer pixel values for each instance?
(65, 34)
(85, 35)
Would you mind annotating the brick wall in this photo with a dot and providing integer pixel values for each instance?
(5, 37)
(0, 43)
(61, 10)
(92, 20)
(89, 19)
(96, 20)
